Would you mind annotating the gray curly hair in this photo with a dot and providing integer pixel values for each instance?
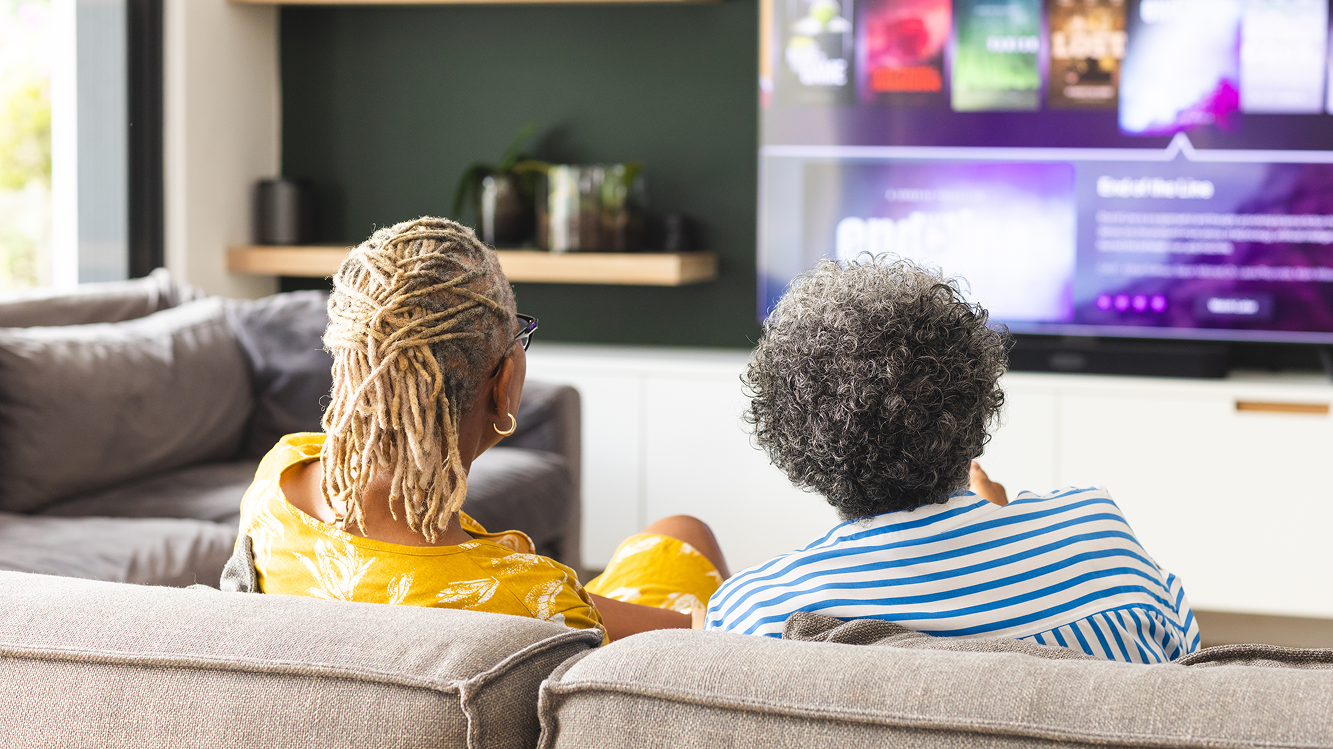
(875, 384)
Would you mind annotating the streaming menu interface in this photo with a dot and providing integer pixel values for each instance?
(1100, 167)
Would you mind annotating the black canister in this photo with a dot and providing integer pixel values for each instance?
(284, 212)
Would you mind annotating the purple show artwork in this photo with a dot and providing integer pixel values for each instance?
(971, 218)
(1255, 253)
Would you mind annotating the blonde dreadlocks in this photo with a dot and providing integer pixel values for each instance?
(419, 315)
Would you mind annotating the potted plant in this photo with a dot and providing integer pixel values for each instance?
(590, 207)
(501, 195)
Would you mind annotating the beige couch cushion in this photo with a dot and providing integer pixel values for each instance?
(703, 689)
(87, 664)
(87, 407)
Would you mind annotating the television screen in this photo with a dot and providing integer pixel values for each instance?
(1142, 168)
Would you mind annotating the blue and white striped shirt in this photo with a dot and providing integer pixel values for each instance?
(1057, 569)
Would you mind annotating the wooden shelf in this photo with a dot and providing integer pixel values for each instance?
(521, 266)
(304, 260)
(474, 2)
(626, 269)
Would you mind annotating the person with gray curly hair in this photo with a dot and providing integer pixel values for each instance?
(851, 350)
(876, 384)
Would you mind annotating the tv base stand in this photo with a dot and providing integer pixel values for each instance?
(1152, 358)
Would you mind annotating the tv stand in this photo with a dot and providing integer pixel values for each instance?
(1326, 359)
(1115, 356)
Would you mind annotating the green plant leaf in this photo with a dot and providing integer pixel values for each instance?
(467, 186)
(526, 174)
(632, 170)
(514, 153)
(531, 165)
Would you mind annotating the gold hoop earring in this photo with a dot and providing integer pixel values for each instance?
(513, 425)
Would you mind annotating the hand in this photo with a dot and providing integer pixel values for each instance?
(989, 490)
(698, 618)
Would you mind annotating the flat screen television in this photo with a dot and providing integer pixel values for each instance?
(1131, 168)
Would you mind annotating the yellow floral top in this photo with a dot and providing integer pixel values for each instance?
(298, 555)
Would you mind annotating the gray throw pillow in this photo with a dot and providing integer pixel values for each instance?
(87, 303)
(85, 407)
(811, 627)
(1261, 656)
(283, 339)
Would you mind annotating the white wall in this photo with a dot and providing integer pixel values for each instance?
(222, 132)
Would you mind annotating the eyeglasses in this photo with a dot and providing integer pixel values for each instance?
(524, 336)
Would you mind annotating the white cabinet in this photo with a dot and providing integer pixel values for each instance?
(700, 462)
(1236, 502)
(1022, 452)
(662, 435)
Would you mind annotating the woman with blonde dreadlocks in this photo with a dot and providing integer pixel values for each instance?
(428, 372)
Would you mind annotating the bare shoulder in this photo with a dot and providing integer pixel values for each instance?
(301, 487)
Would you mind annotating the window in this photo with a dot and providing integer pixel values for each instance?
(80, 140)
(25, 143)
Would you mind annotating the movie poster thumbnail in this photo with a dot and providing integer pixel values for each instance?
(901, 48)
(1181, 67)
(816, 41)
(1087, 45)
(1283, 48)
(995, 55)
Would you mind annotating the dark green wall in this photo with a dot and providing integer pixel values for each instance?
(384, 107)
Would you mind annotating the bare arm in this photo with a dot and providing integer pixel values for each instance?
(625, 619)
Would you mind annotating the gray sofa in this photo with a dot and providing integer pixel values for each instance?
(94, 664)
(91, 663)
(133, 416)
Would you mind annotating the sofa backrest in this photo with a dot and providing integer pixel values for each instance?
(94, 302)
(90, 664)
(678, 688)
(283, 339)
(550, 419)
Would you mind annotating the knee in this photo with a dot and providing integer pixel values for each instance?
(696, 533)
(683, 527)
